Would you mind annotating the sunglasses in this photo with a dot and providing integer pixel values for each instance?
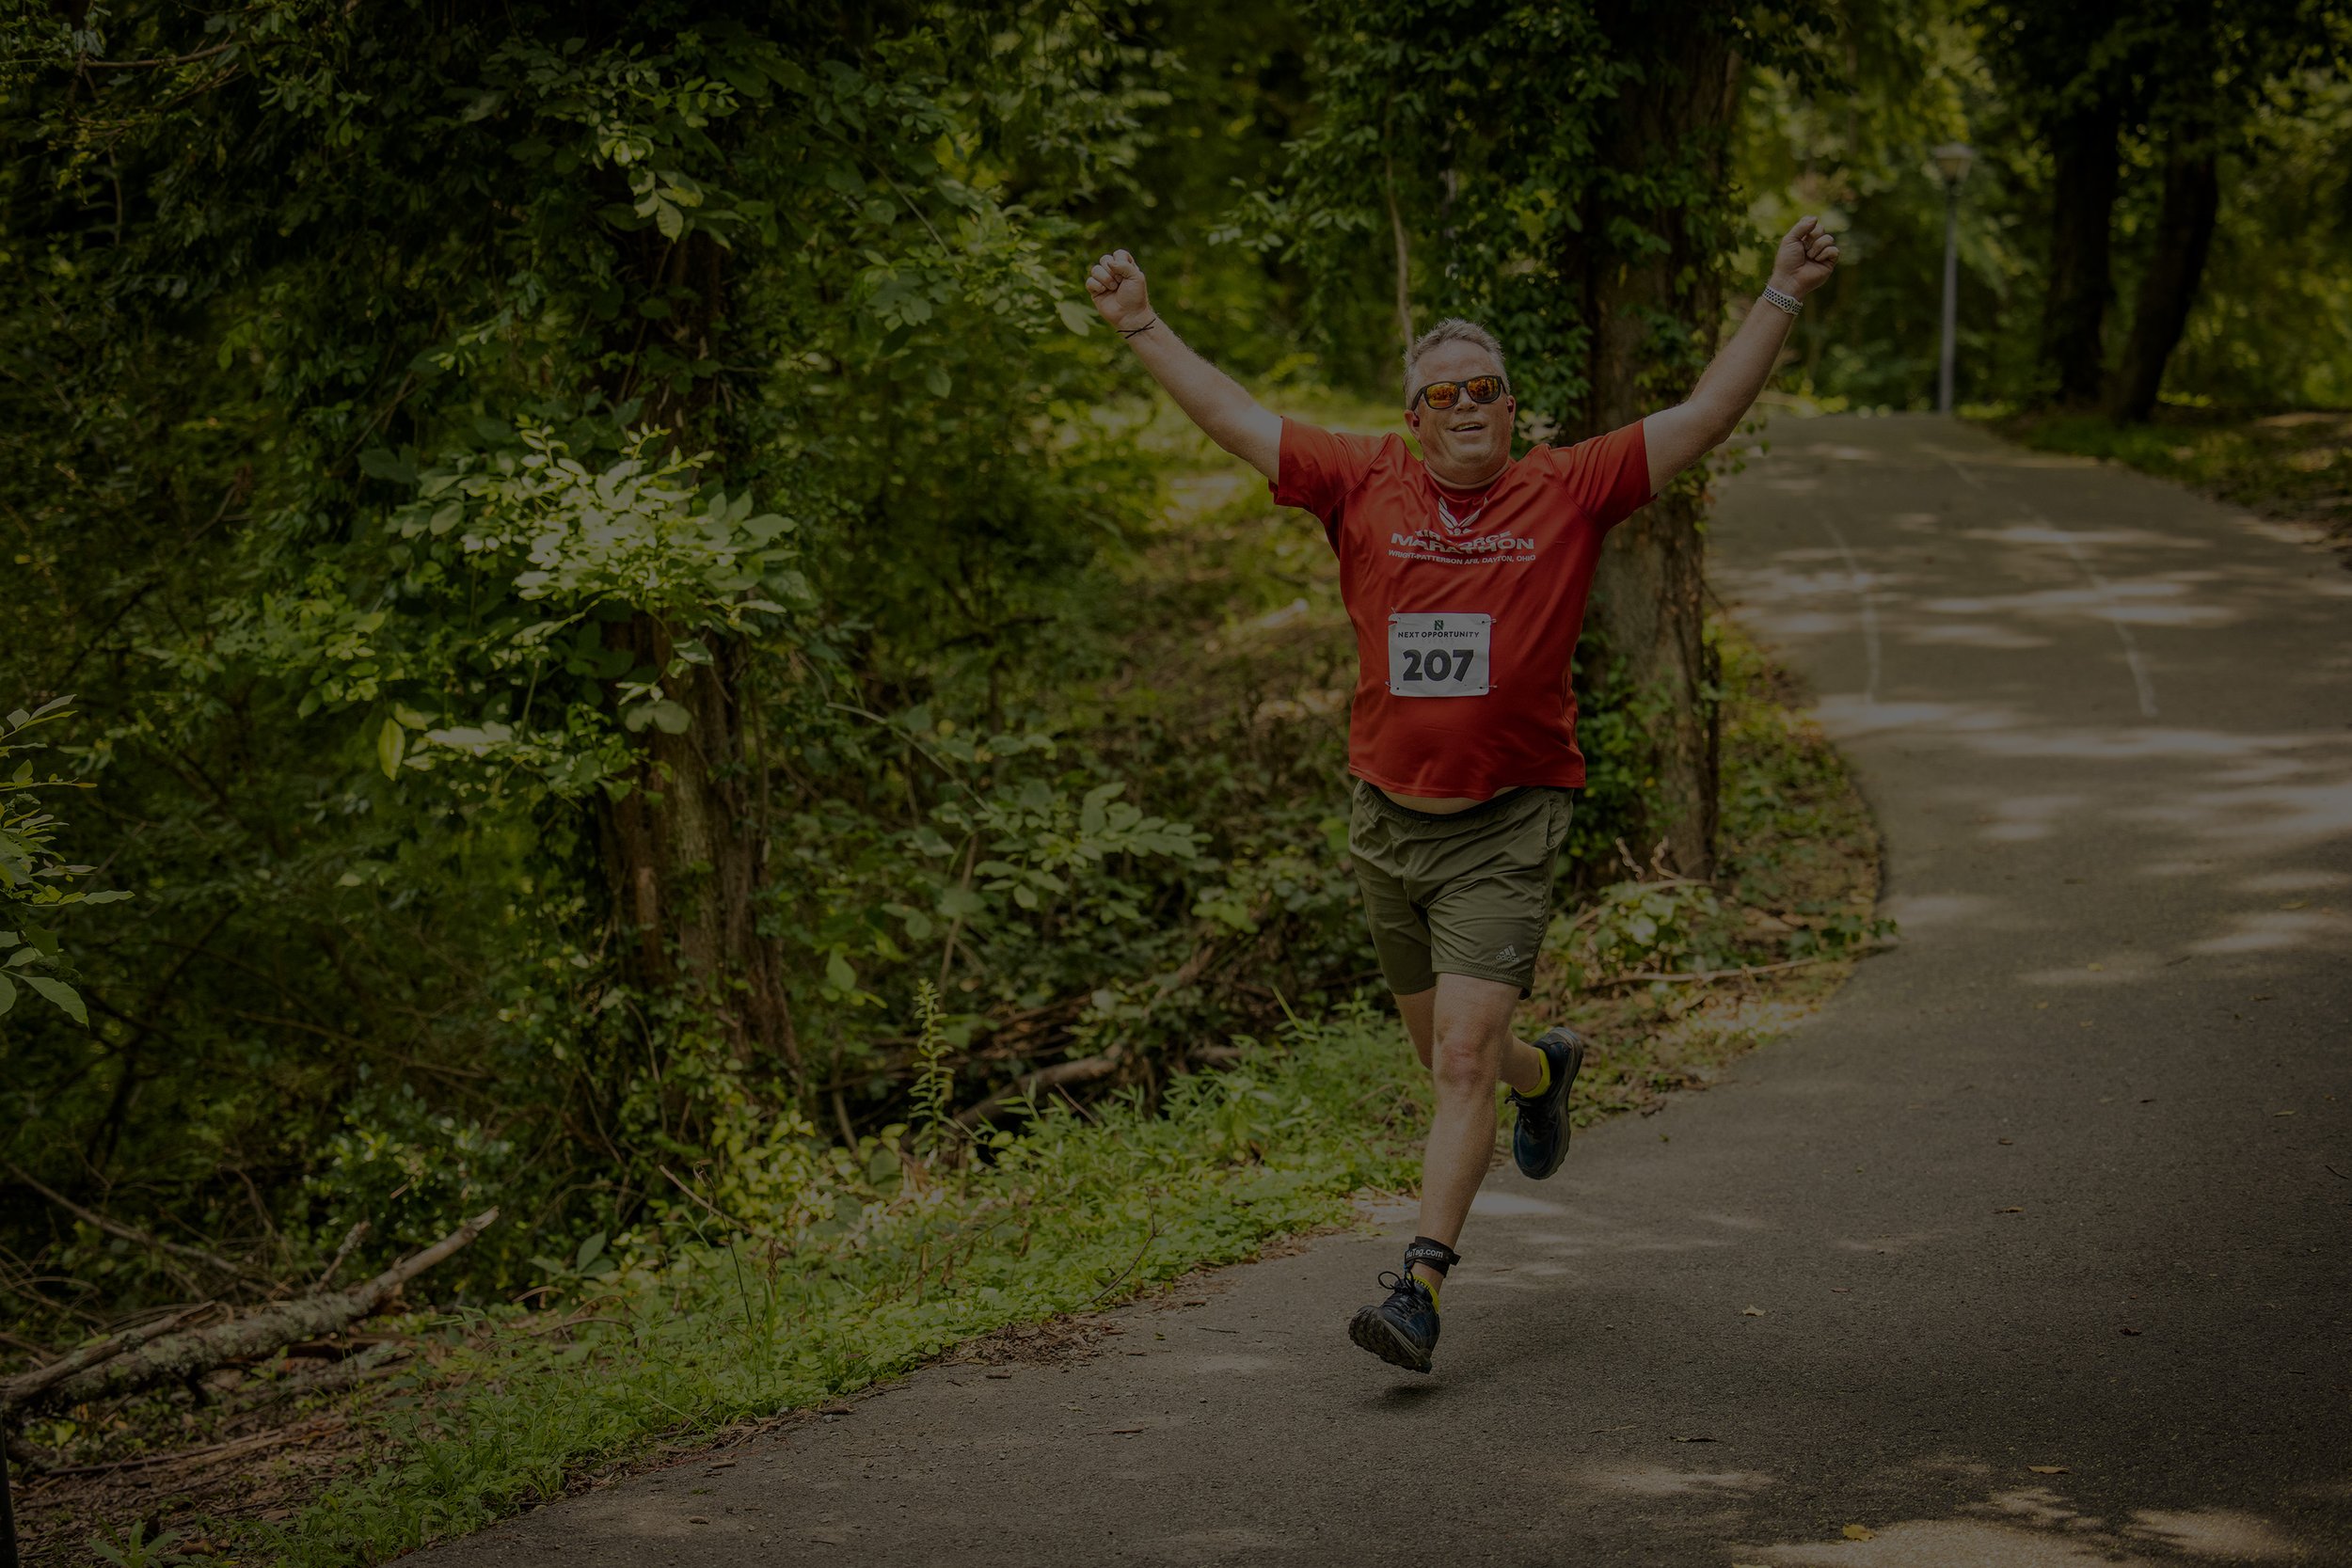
(1445, 394)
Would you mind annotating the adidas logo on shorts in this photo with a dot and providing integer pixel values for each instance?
(1509, 954)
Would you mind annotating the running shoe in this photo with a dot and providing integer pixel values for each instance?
(1403, 1330)
(1540, 1141)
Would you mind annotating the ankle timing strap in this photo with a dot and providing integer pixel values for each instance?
(1436, 1254)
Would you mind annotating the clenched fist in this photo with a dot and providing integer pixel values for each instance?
(1117, 284)
(1808, 254)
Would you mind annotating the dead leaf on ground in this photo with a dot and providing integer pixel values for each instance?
(1752, 1311)
(1860, 1532)
(832, 1410)
(1699, 1439)
(2012, 1209)
(2049, 1469)
(1841, 1289)
(2129, 1333)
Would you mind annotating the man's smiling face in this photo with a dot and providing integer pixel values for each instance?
(1468, 443)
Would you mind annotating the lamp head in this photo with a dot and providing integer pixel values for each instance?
(1952, 160)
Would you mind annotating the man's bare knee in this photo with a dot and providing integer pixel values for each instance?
(1466, 1056)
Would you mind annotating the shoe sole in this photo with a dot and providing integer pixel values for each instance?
(1370, 1330)
(1576, 1064)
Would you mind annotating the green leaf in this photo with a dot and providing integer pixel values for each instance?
(1075, 316)
(743, 79)
(69, 1000)
(671, 718)
(838, 974)
(392, 744)
(378, 462)
(590, 1250)
(667, 219)
(938, 381)
(8, 993)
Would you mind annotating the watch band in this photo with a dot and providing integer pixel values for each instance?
(1789, 303)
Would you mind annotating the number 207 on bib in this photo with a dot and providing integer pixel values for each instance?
(1439, 654)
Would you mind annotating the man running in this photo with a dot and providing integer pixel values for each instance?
(1465, 572)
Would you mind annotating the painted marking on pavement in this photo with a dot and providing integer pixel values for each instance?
(2113, 616)
(1862, 582)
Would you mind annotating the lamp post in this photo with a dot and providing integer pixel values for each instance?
(1951, 161)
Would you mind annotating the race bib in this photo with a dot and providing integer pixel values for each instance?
(1439, 654)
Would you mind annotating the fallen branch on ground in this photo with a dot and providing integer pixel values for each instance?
(174, 1356)
(26, 1387)
(351, 1239)
(328, 1379)
(1085, 1069)
(1646, 976)
(275, 1438)
(139, 1238)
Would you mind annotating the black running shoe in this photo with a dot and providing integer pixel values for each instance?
(1403, 1330)
(1540, 1141)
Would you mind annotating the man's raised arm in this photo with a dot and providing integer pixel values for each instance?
(1211, 399)
(1679, 436)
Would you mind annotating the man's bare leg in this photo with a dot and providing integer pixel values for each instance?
(1462, 1030)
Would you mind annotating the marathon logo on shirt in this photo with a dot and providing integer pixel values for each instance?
(1429, 544)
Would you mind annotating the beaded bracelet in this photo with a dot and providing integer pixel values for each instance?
(1789, 303)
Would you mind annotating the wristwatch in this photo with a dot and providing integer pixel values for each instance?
(1789, 303)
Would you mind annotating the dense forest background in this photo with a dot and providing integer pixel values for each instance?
(582, 566)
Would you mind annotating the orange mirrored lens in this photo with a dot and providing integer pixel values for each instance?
(1445, 394)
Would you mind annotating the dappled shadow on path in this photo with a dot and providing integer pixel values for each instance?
(2037, 653)
(1989, 1523)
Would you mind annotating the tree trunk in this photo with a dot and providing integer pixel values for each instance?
(685, 852)
(685, 857)
(2082, 205)
(1647, 620)
(2185, 225)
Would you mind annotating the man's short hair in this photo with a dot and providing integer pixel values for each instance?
(1453, 330)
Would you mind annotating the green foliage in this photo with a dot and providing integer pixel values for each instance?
(35, 883)
(138, 1549)
(445, 416)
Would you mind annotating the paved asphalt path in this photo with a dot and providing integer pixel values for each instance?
(2046, 1186)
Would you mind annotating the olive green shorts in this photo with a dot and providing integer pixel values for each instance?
(1468, 893)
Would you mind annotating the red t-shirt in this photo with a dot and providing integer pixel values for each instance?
(1465, 618)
